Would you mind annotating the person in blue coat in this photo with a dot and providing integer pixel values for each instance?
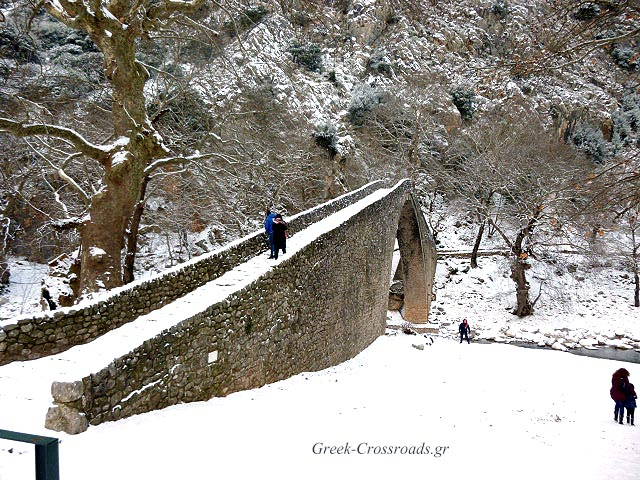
(630, 403)
(268, 228)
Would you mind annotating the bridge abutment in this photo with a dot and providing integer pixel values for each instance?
(417, 262)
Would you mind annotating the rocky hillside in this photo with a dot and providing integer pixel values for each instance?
(301, 101)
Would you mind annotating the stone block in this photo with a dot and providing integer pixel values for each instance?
(65, 419)
(26, 327)
(65, 392)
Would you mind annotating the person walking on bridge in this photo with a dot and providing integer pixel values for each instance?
(464, 330)
(279, 235)
(268, 228)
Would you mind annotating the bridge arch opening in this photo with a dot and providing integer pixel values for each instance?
(415, 263)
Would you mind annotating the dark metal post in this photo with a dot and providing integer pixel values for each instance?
(47, 460)
(47, 467)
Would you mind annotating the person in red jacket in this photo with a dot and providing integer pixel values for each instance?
(618, 392)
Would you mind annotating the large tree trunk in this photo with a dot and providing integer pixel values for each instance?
(132, 237)
(524, 306)
(519, 266)
(476, 246)
(102, 237)
(113, 210)
(636, 277)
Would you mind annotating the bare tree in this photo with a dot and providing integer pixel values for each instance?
(515, 177)
(137, 149)
(628, 247)
(567, 32)
(612, 204)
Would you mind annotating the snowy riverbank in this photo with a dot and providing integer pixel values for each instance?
(579, 306)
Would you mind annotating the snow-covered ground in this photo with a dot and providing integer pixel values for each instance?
(503, 412)
(586, 301)
(23, 294)
(582, 308)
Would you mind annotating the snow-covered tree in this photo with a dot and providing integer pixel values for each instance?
(134, 148)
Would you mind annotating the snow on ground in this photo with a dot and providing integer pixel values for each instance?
(503, 412)
(586, 308)
(586, 301)
(23, 295)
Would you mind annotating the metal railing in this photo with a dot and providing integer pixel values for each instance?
(47, 463)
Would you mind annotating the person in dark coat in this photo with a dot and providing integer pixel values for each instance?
(279, 235)
(464, 330)
(618, 392)
(630, 403)
(268, 228)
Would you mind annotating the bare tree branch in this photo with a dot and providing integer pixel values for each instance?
(26, 130)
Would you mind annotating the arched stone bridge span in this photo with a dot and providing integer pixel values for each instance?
(258, 321)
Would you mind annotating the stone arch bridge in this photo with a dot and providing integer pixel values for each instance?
(231, 319)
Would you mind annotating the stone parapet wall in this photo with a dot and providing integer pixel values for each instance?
(54, 332)
(318, 308)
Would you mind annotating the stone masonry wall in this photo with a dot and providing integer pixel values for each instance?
(54, 332)
(429, 251)
(316, 309)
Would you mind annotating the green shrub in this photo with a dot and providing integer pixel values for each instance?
(622, 131)
(626, 57)
(71, 57)
(309, 56)
(17, 46)
(365, 98)
(55, 34)
(587, 11)
(380, 63)
(249, 18)
(327, 137)
(631, 106)
(626, 121)
(590, 141)
(465, 101)
(500, 9)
